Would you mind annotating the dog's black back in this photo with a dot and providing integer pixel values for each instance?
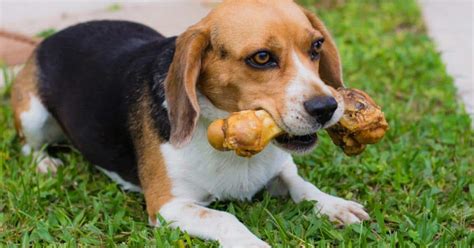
(93, 75)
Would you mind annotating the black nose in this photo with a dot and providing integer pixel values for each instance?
(321, 107)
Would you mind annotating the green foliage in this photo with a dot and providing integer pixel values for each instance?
(416, 184)
(46, 33)
(114, 7)
(7, 75)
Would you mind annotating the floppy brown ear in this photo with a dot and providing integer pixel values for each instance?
(330, 69)
(180, 84)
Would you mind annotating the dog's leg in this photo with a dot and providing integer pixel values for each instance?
(337, 209)
(209, 224)
(185, 214)
(179, 213)
(34, 124)
(38, 129)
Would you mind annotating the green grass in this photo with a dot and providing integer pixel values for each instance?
(46, 33)
(417, 184)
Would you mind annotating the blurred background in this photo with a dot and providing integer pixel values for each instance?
(35, 19)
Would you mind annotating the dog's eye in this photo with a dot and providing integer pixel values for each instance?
(262, 60)
(316, 49)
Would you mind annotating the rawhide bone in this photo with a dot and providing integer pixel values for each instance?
(245, 132)
(363, 122)
(248, 132)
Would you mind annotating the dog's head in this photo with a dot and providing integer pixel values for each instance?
(257, 54)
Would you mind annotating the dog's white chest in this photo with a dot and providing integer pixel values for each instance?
(201, 173)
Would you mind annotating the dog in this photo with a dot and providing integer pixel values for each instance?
(137, 105)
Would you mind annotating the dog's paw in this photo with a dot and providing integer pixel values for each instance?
(243, 243)
(48, 164)
(341, 211)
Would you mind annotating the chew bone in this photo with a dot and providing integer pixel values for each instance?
(363, 122)
(246, 132)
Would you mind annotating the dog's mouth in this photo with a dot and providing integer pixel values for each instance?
(299, 144)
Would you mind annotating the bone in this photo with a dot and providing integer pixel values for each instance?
(249, 132)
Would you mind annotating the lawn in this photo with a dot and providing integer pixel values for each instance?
(417, 184)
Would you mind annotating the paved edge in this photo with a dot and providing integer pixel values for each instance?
(450, 25)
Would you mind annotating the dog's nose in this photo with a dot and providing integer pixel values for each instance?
(321, 107)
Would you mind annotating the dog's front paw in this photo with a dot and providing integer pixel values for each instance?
(243, 242)
(341, 211)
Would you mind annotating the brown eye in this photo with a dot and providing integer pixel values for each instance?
(316, 49)
(261, 58)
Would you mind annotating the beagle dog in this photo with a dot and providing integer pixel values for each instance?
(137, 105)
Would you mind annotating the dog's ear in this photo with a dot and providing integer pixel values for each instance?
(330, 69)
(180, 84)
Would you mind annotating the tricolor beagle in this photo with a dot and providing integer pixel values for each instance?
(137, 105)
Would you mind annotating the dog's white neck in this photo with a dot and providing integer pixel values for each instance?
(202, 173)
